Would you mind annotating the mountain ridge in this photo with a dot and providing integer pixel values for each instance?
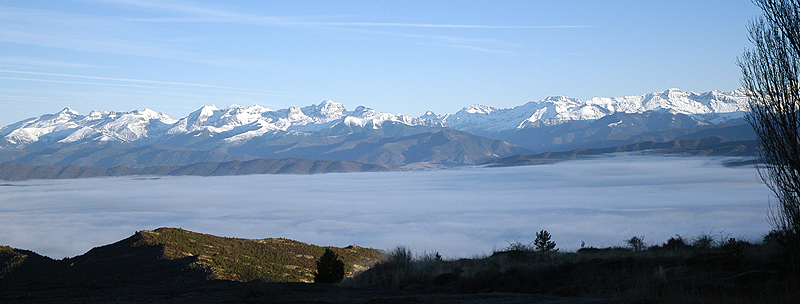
(328, 131)
(238, 124)
(446, 147)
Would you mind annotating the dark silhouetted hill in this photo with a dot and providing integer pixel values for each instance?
(173, 253)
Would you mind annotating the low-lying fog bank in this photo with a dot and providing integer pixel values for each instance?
(459, 212)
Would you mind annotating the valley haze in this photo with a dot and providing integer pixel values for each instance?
(459, 212)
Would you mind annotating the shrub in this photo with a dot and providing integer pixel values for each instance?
(636, 243)
(329, 268)
(704, 242)
(400, 256)
(676, 243)
(517, 246)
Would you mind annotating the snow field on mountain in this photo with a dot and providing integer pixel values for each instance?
(239, 124)
(458, 212)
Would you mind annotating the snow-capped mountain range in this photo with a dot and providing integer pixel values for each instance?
(235, 125)
(713, 107)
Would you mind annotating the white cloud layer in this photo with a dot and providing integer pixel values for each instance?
(460, 213)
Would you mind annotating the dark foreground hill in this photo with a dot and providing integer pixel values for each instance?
(700, 270)
(170, 265)
(15, 172)
(168, 253)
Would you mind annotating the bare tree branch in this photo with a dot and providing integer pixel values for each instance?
(770, 73)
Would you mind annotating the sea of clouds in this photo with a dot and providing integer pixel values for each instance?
(459, 212)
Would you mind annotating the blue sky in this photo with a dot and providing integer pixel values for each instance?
(399, 56)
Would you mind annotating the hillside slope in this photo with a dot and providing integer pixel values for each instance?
(448, 147)
(167, 254)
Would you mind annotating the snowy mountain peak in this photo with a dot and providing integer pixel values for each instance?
(151, 114)
(325, 111)
(68, 111)
(208, 110)
(560, 98)
(197, 118)
(478, 109)
(360, 111)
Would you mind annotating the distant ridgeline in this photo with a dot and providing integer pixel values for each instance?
(170, 253)
(15, 172)
(710, 146)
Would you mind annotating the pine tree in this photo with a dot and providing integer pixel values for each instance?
(543, 243)
(329, 268)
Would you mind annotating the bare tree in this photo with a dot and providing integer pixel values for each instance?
(770, 74)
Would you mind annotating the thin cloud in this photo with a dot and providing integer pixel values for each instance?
(20, 97)
(234, 91)
(125, 79)
(204, 14)
(459, 26)
(113, 84)
(140, 83)
(124, 36)
(30, 61)
(200, 13)
(486, 45)
(289, 21)
(483, 49)
(208, 14)
(90, 33)
(178, 6)
(77, 40)
(77, 82)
